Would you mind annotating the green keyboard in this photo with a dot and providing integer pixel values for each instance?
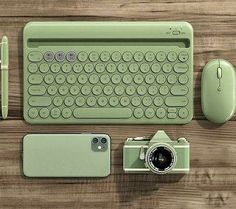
(108, 72)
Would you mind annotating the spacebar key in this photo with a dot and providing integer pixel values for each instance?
(103, 113)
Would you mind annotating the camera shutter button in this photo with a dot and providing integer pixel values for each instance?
(182, 140)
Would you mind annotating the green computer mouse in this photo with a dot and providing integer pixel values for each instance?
(218, 88)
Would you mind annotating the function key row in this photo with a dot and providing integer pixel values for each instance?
(106, 56)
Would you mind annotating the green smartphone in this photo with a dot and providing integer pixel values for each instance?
(66, 155)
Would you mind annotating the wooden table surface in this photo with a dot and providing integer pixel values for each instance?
(212, 180)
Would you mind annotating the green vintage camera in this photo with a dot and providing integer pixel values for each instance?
(159, 155)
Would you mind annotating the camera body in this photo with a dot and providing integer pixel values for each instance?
(159, 155)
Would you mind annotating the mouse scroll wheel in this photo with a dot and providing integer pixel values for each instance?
(219, 73)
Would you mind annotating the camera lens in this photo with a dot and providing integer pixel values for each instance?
(103, 140)
(95, 140)
(161, 158)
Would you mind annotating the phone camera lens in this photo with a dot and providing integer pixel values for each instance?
(104, 140)
(95, 140)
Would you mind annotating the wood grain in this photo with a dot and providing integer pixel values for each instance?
(212, 180)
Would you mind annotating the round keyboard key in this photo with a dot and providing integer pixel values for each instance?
(149, 56)
(93, 79)
(80, 101)
(138, 79)
(161, 56)
(172, 56)
(33, 113)
(138, 56)
(48, 79)
(122, 67)
(156, 68)
(116, 79)
(160, 113)
(141, 90)
(149, 79)
(55, 67)
(158, 101)
(127, 79)
(52, 90)
(119, 90)
(167, 67)
(183, 79)
(144, 67)
(105, 56)
(147, 101)
(82, 79)
(100, 67)
(105, 79)
(48, 56)
(86, 90)
(63, 90)
(69, 101)
(77, 67)
(57, 101)
(93, 56)
(124, 101)
(82, 56)
(91, 101)
(183, 113)
(138, 113)
(183, 56)
(127, 56)
(172, 79)
(71, 79)
(55, 113)
(66, 113)
(161, 79)
(108, 90)
(164, 90)
(135, 101)
(102, 101)
(60, 79)
(149, 113)
(74, 90)
(71, 56)
(44, 68)
(111, 67)
(116, 56)
(97, 90)
(152, 90)
(113, 101)
(88, 68)
(133, 68)
(44, 113)
(66, 67)
(130, 90)
(60, 56)
(32, 67)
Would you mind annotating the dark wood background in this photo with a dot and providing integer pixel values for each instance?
(212, 180)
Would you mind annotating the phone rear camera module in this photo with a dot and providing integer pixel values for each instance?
(104, 140)
(95, 140)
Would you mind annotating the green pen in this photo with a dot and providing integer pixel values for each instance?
(4, 76)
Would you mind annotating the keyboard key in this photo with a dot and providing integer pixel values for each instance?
(63, 90)
(66, 113)
(149, 113)
(147, 101)
(133, 68)
(181, 68)
(156, 68)
(66, 67)
(160, 113)
(69, 101)
(93, 79)
(130, 90)
(77, 67)
(122, 67)
(91, 101)
(39, 101)
(127, 56)
(127, 79)
(100, 67)
(138, 56)
(172, 79)
(183, 56)
(102, 101)
(44, 68)
(55, 67)
(138, 79)
(93, 56)
(55, 113)
(48, 79)
(33, 113)
(89, 68)
(116, 79)
(183, 79)
(141, 90)
(144, 67)
(149, 79)
(179, 90)
(167, 67)
(82, 79)
(105, 79)
(138, 113)
(74, 90)
(57, 101)
(113, 101)
(172, 56)
(35, 79)
(161, 56)
(71, 79)
(149, 56)
(32, 67)
(52, 90)
(171, 109)
(164, 90)
(136, 101)
(161, 79)
(48, 56)
(158, 101)
(105, 56)
(37, 90)
(86, 90)
(119, 90)
(97, 90)
(102, 113)
(80, 101)
(116, 56)
(171, 115)
(152, 90)
(82, 56)
(44, 113)
(124, 101)
(111, 67)
(176, 101)
(60, 56)
(108, 90)
(183, 113)
(60, 79)
(35, 56)
(71, 56)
